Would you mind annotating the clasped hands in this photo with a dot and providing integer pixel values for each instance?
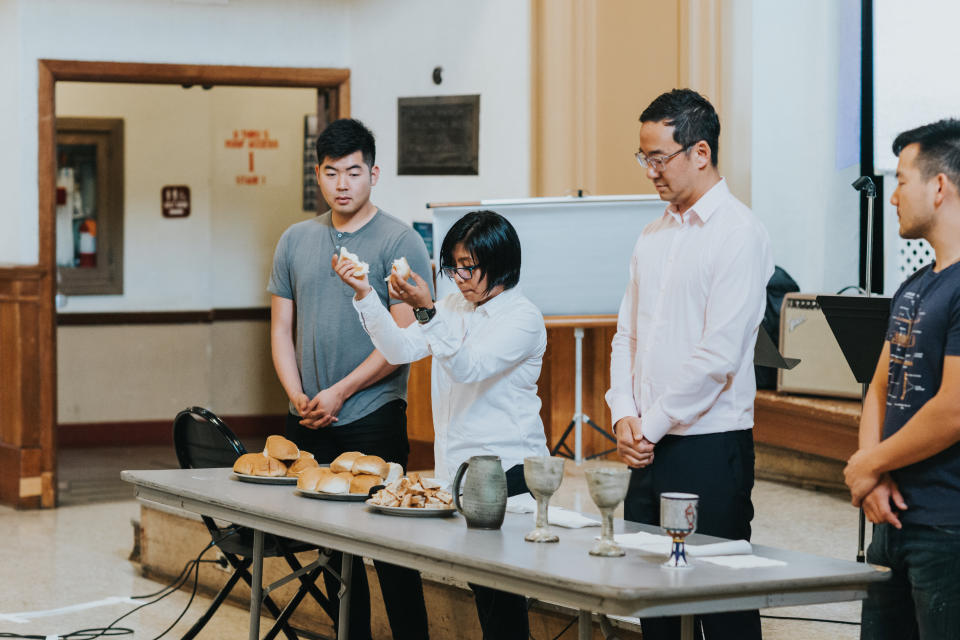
(877, 493)
(416, 295)
(632, 447)
(319, 411)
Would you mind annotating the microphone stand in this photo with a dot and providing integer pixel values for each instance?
(865, 185)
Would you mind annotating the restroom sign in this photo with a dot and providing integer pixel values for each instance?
(175, 201)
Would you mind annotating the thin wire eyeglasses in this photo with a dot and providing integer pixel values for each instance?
(465, 273)
(657, 163)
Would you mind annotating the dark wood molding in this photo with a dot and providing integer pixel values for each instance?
(230, 75)
(162, 317)
(157, 432)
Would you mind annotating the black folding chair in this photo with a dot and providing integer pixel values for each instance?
(202, 440)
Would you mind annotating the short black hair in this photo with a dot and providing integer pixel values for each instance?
(342, 137)
(492, 241)
(939, 148)
(691, 115)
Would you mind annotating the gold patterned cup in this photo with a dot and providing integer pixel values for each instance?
(608, 483)
(678, 519)
(543, 475)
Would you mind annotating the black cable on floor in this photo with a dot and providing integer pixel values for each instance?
(111, 631)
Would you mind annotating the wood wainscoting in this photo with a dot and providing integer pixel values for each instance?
(27, 395)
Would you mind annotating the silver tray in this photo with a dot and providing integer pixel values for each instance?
(413, 512)
(243, 477)
(343, 497)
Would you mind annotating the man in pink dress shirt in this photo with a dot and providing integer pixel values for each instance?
(682, 378)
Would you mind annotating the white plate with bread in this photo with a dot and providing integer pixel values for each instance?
(325, 495)
(413, 512)
(280, 462)
(246, 477)
(350, 477)
(415, 496)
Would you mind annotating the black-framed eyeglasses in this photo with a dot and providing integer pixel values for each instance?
(465, 273)
(657, 163)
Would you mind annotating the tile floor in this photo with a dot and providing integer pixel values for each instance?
(78, 554)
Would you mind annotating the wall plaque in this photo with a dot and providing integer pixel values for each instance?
(438, 135)
(175, 201)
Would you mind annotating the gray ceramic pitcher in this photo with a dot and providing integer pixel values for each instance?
(484, 492)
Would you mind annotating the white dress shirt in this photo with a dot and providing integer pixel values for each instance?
(682, 357)
(486, 362)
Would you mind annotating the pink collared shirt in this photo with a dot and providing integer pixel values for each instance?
(682, 357)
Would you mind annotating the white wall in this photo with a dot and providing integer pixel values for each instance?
(915, 56)
(807, 204)
(390, 47)
(12, 224)
(484, 48)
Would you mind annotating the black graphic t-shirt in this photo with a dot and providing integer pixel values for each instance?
(924, 327)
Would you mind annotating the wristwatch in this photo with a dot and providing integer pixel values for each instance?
(424, 314)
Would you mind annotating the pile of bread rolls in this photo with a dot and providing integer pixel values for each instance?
(280, 457)
(350, 473)
(417, 492)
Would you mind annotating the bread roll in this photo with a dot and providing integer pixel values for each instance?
(400, 267)
(257, 464)
(280, 448)
(344, 462)
(362, 267)
(364, 482)
(301, 464)
(245, 463)
(395, 472)
(309, 478)
(335, 483)
(374, 465)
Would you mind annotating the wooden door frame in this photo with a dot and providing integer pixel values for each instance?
(43, 432)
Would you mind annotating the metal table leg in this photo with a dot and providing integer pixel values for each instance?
(256, 589)
(346, 574)
(586, 625)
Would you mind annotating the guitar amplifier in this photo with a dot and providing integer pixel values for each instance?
(805, 334)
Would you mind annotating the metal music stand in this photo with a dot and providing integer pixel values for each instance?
(859, 325)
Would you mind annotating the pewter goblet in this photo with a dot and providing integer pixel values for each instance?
(543, 475)
(608, 482)
(678, 518)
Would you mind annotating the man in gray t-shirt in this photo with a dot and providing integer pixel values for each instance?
(344, 395)
(330, 342)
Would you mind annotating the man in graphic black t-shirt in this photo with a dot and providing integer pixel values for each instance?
(906, 474)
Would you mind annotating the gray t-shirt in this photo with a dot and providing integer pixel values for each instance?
(330, 341)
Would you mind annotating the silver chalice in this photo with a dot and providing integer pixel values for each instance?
(543, 475)
(608, 482)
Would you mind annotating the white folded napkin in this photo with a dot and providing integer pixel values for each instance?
(521, 503)
(661, 545)
(745, 562)
(525, 503)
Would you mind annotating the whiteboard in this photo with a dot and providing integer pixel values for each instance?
(575, 252)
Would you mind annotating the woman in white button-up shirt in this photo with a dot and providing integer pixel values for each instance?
(487, 341)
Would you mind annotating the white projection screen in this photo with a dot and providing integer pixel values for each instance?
(575, 251)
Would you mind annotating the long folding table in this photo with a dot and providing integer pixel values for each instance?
(563, 573)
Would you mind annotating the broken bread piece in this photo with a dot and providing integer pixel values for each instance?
(362, 268)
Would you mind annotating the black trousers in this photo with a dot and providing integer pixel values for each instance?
(503, 616)
(381, 433)
(719, 468)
